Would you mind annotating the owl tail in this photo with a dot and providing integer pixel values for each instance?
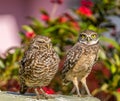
(23, 89)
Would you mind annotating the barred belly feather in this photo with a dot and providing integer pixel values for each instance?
(38, 65)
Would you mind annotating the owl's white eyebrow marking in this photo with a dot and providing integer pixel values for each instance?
(90, 34)
(83, 33)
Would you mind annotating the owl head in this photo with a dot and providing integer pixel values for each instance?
(88, 37)
(42, 39)
(40, 42)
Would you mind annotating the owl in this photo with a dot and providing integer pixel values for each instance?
(38, 65)
(80, 60)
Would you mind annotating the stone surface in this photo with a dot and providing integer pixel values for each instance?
(11, 96)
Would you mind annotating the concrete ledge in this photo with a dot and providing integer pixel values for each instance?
(12, 96)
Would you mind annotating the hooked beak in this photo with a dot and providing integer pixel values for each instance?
(88, 39)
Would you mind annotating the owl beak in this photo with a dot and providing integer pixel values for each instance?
(88, 39)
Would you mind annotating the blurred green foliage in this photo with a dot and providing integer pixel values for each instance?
(63, 31)
(9, 64)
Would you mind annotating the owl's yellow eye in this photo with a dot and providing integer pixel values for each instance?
(83, 36)
(93, 36)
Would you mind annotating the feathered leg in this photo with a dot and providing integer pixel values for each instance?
(85, 85)
(75, 82)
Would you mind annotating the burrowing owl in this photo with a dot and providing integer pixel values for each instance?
(80, 59)
(38, 65)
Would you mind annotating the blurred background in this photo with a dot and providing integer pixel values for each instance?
(62, 21)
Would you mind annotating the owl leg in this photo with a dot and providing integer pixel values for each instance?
(75, 82)
(37, 93)
(43, 95)
(73, 90)
(46, 96)
(23, 88)
(85, 85)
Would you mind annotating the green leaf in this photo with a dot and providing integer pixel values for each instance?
(15, 55)
(115, 81)
(117, 95)
(2, 65)
(102, 55)
(27, 28)
(117, 59)
(35, 22)
(111, 41)
(50, 29)
(106, 1)
(113, 68)
(91, 27)
(43, 12)
(104, 87)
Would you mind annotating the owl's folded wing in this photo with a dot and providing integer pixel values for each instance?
(72, 57)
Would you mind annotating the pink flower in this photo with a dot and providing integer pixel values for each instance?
(45, 17)
(30, 34)
(87, 3)
(85, 11)
(48, 90)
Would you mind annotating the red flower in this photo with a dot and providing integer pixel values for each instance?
(48, 90)
(118, 90)
(57, 1)
(75, 25)
(45, 17)
(85, 11)
(63, 19)
(110, 46)
(87, 3)
(30, 34)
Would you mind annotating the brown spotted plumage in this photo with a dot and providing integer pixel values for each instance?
(80, 60)
(38, 65)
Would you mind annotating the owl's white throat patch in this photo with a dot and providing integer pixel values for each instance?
(93, 42)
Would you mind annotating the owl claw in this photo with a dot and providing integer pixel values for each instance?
(42, 96)
(79, 95)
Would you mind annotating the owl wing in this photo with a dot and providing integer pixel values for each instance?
(72, 57)
(25, 69)
(27, 62)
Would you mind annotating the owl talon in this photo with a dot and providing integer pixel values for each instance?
(90, 95)
(79, 95)
(42, 96)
